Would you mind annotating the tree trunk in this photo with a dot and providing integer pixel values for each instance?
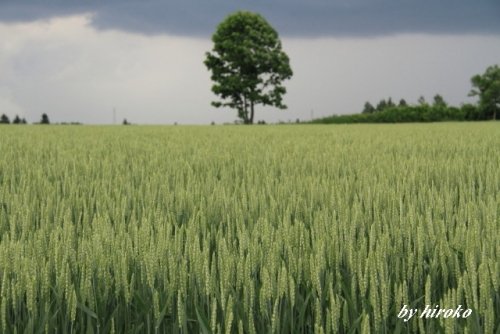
(251, 112)
(245, 110)
(495, 105)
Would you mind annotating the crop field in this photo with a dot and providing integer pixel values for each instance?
(249, 229)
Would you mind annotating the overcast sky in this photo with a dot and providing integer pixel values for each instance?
(79, 60)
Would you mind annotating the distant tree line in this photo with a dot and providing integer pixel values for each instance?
(485, 86)
(4, 119)
(411, 113)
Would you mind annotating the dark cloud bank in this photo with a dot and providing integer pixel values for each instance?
(307, 18)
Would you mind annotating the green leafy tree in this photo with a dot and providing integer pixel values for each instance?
(381, 105)
(368, 109)
(471, 112)
(439, 101)
(487, 87)
(247, 64)
(421, 101)
(403, 103)
(45, 119)
(4, 119)
(390, 104)
(16, 120)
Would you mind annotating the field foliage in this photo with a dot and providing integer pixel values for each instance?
(262, 229)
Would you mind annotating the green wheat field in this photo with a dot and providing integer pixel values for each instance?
(258, 229)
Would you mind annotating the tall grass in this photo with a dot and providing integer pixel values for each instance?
(325, 229)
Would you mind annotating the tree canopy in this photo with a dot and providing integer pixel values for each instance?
(247, 64)
(45, 119)
(4, 119)
(487, 87)
(368, 109)
(439, 101)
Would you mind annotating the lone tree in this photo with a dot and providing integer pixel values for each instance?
(247, 64)
(45, 119)
(487, 87)
(4, 119)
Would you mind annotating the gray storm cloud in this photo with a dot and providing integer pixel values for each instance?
(81, 60)
(311, 18)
